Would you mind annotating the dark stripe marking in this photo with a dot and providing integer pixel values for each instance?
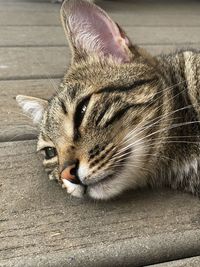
(63, 107)
(103, 111)
(78, 116)
(117, 115)
(119, 89)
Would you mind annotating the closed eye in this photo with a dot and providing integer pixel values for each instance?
(80, 112)
(117, 115)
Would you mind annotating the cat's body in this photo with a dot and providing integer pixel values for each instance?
(181, 143)
(121, 118)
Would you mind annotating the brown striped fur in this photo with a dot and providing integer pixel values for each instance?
(141, 118)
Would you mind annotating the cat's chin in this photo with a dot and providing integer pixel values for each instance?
(109, 188)
(99, 193)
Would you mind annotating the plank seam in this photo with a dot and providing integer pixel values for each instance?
(66, 45)
(33, 77)
(175, 259)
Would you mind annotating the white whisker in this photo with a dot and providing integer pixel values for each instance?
(48, 76)
(160, 118)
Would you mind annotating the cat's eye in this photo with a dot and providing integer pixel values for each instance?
(50, 152)
(83, 110)
(80, 112)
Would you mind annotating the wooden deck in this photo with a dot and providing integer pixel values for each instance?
(39, 224)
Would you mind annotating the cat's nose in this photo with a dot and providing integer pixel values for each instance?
(69, 171)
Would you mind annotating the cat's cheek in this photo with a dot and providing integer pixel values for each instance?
(75, 190)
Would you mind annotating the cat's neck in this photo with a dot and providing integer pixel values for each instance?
(181, 71)
(181, 145)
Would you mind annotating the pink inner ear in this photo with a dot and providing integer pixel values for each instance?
(94, 32)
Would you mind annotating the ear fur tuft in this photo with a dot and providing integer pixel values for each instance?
(32, 106)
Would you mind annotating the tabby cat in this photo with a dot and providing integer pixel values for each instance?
(121, 118)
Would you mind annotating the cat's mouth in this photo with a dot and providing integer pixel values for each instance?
(106, 178)
(96, 184)
(103, 180)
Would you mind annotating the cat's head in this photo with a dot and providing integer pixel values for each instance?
(95, 123)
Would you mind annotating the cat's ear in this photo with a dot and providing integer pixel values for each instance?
(91, 31)
(32, 106)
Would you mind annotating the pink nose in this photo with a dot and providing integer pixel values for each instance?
(69, 173)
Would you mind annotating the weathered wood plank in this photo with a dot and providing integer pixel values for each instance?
(28, 5)
(54, 36)
(41, 62)
(14, 124)
(31, 63)
(136, 19)
(125, 12)
(32, 36)
(189, 262)
(41, 226)
(29, 18)
(111, 5)
(38, 62)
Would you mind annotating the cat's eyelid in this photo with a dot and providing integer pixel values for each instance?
(81, 106)
(43, 144)
(84, 98)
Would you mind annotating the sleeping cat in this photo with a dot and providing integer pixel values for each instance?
(121, 118)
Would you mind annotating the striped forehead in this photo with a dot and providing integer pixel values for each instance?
(65, 100)
(57, 118)
(71, 92)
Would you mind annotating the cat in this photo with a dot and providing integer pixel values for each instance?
(122, 118)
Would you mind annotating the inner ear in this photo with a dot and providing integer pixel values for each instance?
(91, 31)
(32, 106)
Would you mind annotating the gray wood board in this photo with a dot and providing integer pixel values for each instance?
(41, 226)
(111, 5)
(43, 62)
(115, 5)
(14, 125)
(29, 63)
(37, 62)
(189, 262)
(125, 13)
(54, 36)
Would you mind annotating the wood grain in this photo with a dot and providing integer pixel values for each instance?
(37, 62)
(43, 62)
(14, 124)
(189, 262)
(40, 223)
(149, 13)
(54, 36)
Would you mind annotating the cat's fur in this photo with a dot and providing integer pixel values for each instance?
(140, 114)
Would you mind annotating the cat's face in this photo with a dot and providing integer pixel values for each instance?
(92, 130)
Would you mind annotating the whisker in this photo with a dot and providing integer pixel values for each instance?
(130, 165)
(21, 113)
(163, 129)
(17, 135)
(161, 117)
(175, 125)
(48, 76)
(144, 155)
(166, 89)
(15, 128)
(164, 139)
(162, 90)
